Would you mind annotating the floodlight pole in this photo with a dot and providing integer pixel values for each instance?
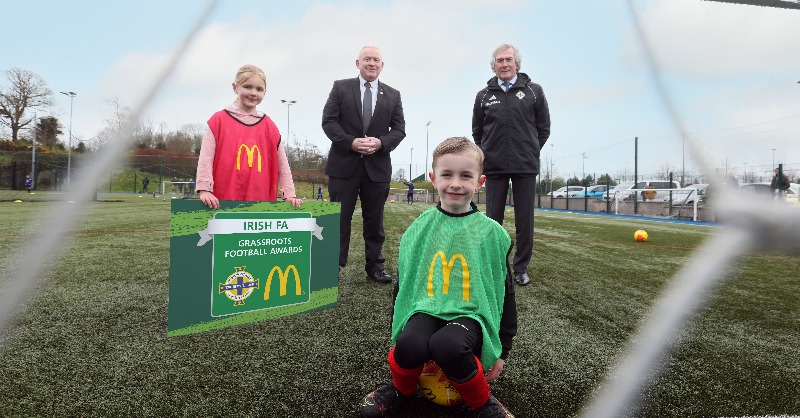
(288, 103)
(33, 155)
(583, 165)
(409, 165)
(773, 159)
(551, 174)
(745, 173)
(71, 95)
(427, 130)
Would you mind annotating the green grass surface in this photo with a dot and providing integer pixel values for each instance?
(92, 340)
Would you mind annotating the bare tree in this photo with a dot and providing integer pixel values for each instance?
(114, 123)
(727, 167)
(662, 173)
(26, 91)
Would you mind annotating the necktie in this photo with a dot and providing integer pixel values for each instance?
(506, 86)
(366, 115)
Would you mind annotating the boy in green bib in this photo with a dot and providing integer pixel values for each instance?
(454, 297)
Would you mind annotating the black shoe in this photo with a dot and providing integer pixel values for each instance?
(382, 401)
(492, 409)
(522, 278)
(380, 276)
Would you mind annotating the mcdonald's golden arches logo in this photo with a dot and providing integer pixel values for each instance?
(251, 152)
(446, 268)
(283, 277)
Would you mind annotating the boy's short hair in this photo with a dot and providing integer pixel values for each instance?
(458, 145)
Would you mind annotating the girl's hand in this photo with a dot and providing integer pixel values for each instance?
(294, 201)
(494, 371)
(209, 199)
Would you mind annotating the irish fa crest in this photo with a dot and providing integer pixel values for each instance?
(239, 286)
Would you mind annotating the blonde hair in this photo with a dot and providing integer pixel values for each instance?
(247, 71)
(458, 145)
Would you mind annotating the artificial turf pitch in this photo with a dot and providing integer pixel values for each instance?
(92, 341)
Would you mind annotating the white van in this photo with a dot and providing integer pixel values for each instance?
(628, 190)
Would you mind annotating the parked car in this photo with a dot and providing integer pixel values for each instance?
(573, 191)
(757, 189)
(765, 189)
(793, 193)
(699, 195)
(628, 191)
(597, 191)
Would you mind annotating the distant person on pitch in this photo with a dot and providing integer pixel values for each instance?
(242, 155)
(463, 316)
(410, 194)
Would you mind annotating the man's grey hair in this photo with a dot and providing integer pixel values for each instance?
(503, 47)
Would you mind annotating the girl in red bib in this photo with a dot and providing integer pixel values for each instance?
(242, 156)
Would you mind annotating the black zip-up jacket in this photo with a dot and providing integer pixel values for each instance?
(511, 127)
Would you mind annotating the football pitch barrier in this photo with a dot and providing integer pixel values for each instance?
(752, 223)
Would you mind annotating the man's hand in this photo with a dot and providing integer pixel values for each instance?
(367, 145)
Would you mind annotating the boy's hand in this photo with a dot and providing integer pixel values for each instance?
(494, 371)
(209, 199)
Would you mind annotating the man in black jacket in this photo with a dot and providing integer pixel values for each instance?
(364, 120)
(511, 123)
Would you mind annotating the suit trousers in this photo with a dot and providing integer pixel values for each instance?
(373, 199)
(524, 191)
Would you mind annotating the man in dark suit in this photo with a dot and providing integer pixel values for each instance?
(364, 120)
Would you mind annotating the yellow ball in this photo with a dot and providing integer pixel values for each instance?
(434, 385)
(640, 235)
(392, 201)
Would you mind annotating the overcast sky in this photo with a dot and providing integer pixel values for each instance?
(732, 71)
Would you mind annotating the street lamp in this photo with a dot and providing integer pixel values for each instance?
(773, 158)
(427, 130)
(288, 126)
(745, 172)
(551, 170)
(409, 165)
(71, 95)
(583, 166)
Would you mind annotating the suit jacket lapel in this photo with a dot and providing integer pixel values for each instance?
(379, 100)
(357, 97)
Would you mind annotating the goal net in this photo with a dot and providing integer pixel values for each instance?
(663, 203)
(178, 188)
(401, 195)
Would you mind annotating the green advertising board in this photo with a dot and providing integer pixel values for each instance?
(250, 261)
